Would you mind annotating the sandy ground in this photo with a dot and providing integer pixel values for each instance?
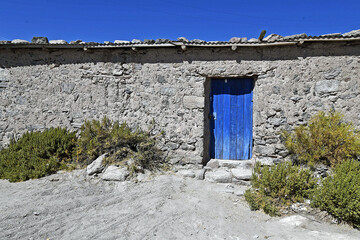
(73, 206)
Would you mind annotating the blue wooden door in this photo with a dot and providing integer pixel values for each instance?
(231, 118)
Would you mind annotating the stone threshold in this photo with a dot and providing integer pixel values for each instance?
(236, 163)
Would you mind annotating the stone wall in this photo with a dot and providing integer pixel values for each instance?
(42, 88)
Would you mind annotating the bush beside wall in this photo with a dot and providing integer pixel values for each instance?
(326, 139)
(135, 149)
(339, 193)
(274, 187)
(37, 154)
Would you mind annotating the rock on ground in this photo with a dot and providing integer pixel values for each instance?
(96, 166)
(113, 173)
(72, 205)
(218, 176)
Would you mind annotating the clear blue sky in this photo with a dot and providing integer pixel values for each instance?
(108, 20)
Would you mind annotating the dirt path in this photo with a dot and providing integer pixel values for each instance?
(73, 206)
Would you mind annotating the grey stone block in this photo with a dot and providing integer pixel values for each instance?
(113, 173)
(58, 42)
(40, 40)
(121, 41)
(295, 36)
(162, 40)
(273, 37)
(238, 40)
(265, 150)
(96, 166)
(213, 163)
(332, 73)
(193, 102)
(327, 86)
(182, 39)
(187, 173)
(19, 41)
(198, 41)
(149, 41)
(241, 174)
(218, 176)
(200, 174)
(266, 161)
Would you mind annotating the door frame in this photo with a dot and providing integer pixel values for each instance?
(207, 120)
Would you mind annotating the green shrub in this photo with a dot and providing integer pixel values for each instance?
(37, 154)
(136, 149)
(340, 193)
(325, 139)
(279, 186)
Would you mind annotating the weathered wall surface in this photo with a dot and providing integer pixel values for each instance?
(41, 89)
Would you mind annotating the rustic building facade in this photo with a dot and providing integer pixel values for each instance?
(194, 90)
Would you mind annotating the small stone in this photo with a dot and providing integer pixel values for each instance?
(243, 40)
(162, 40)
(40, 40)
(327, 86)
(334, 221)
(218, 176)
(76, 42)
(276, 122)
(136, 41)
(234, 40)
(331, 35)
(255, 236)
(265, 150)
(182, 39)
(198, 41)
(113, 173)
(192, 102)
(273, 37)
(58, 42)
(169, 91)
(96, 166)
(149, 41)
(231, 163)
(187, 173)
(36, 213)
(117, 72)
(241, 174)
(107, 42)
(239, 193)
(238, 40)
(295, 99)
(332, 73)
(140, 177)
(353, 33)
(121, 41)
(266, 161)
(19, 41)
(294, 220)
(296, 36)
(67, 87)
(200, 174)
(76, 125)
(253, 40)
(213, 164)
